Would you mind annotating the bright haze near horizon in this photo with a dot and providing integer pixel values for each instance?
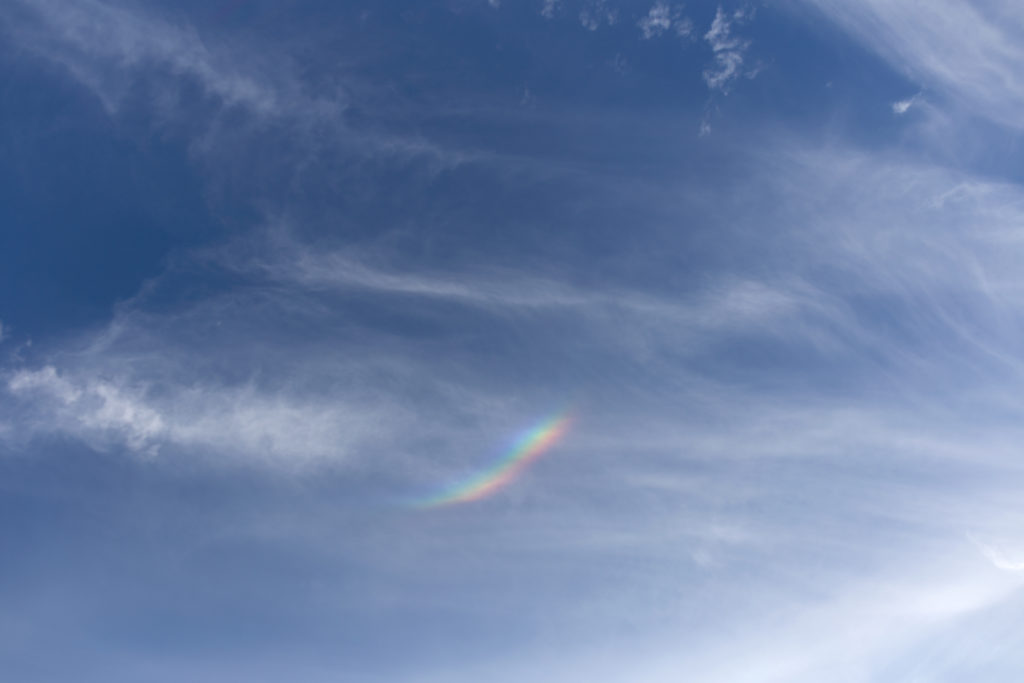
(522, 340)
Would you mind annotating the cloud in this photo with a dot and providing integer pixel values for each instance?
(724, 306)
(208, 377)
(47, 380)
(971, 52)
(729, 51)
(894, 232)
(903, 106)
(549, 7)
(663, 17)
(101, 43)
(796, 386)
(115, 50)
(139, 386)
(137, 414)
(885, 293)
(98, 407)
(997, 557)
(596, 13)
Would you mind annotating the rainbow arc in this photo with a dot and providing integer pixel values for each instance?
(524, 451)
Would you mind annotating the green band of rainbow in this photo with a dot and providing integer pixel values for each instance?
(525, 450)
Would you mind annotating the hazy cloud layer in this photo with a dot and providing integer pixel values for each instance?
(793, 357)
(970, 51)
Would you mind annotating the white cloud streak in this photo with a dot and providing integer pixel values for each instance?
(716, 480)
(997, 557)
(901, 107)
(117, 394)
(289, 261)
(800, 491)
(906, 247)
(101, 43)
(729, 51)
(235, 422)
(110, 48)
(663, 17)
(971, 51)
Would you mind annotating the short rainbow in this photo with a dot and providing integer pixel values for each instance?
(526, 449)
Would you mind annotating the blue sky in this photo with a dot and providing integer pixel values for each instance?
(271, 270)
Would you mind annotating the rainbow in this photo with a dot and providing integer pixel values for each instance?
(529, 446)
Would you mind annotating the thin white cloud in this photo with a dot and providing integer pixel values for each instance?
(870, 625)
(997, 557)
(729, 51)
(970, 51)
(111, 47)
(885, 292)
(237, 422)
(549, 8)
(732, 303)
(97, 408)
(901, 107)
(657, 21)
(100, 43)
(136, 388)
(285, 372)
(683, 27)
(664, 17)
(596, 13)
(46, 380)
(898, 232)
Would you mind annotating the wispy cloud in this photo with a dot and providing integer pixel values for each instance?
(997, 557)
(118, 394)
(721, 469)
(596, 13)
(111, 48)
(970, 51)
(147, 417)
(664, 17)
(901, 107)
(279, 406)
(797, 384)
(728, 48)
(97, 407)
(100, 43)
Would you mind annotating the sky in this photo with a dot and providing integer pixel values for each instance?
(446, 341)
